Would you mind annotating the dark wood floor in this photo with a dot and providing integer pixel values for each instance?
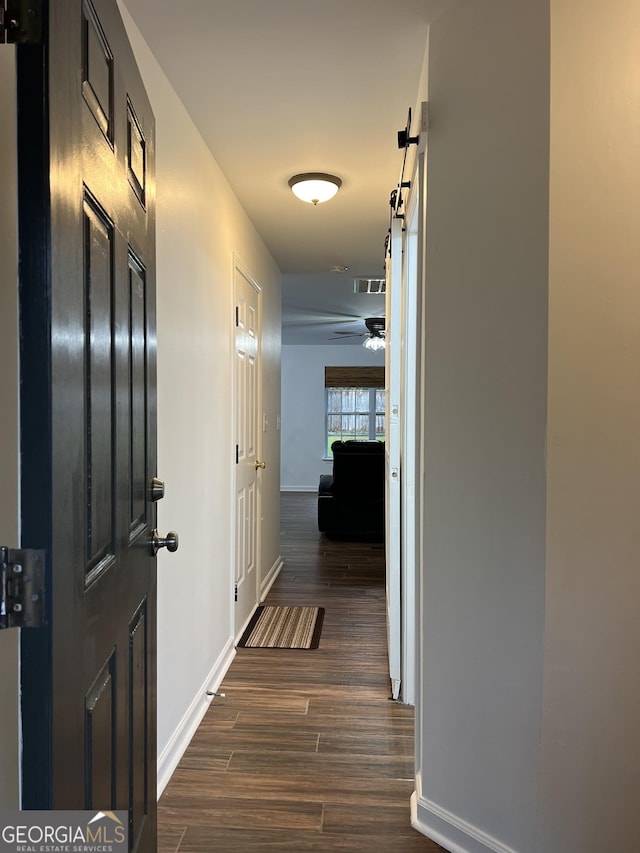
(306, 752)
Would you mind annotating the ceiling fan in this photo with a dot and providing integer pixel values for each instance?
(309, 317)
(374, 336)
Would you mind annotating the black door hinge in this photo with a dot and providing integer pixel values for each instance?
(20, 21)
(237, 316)
(235, 593)
(237, 454)
(21, 588)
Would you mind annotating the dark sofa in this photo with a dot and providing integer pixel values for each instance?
(351, 500)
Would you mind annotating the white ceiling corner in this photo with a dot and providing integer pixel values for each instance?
(278, 87)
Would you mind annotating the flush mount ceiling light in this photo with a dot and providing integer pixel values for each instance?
(314, 187)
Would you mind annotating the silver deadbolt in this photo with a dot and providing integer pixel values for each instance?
(170, 541)
(157, 489)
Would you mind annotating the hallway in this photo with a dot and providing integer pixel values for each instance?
(305, 752)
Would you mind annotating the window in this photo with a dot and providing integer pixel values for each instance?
(354, 404)
(354, 414)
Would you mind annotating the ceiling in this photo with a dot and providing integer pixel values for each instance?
(278, 87)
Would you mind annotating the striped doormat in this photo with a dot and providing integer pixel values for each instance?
(283, 628)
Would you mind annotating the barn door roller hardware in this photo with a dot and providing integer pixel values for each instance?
(20, 21)
(404, 138)
(21, 588)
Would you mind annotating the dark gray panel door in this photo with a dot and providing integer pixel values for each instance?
(87, 244)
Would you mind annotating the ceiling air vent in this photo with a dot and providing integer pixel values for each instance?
(369, 285)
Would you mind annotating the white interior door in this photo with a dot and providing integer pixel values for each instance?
(248, 434)
(393, 376)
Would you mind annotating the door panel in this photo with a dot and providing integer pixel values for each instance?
(99, 382)
(100, 732)
(88, 415)
(138, 381)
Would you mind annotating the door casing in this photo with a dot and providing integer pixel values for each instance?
(9, 447)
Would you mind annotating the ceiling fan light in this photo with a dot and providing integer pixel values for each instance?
(314, 187)
(374, 343)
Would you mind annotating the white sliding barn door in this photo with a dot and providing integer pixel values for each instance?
(393, 374)
(410, 448)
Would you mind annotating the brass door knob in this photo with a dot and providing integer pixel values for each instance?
(260, 464)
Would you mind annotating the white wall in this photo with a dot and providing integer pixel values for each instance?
(303, 416)
(9, 640)
(590, 783)
(200, 225)
(486, 361)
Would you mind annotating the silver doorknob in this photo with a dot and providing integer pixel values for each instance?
(170, 541)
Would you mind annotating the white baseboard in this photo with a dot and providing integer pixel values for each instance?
(299, 488)
(170, 757)
(450, 831)
(268, 582)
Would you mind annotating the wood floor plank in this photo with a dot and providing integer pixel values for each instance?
(368, 820)
(305, 752)
(366, 743)
(357, 765)
(271, 737)
(222, 813)
(330, 722)
(196, 788)
(256, 699)
(199, 756)
(170, 835)
(198, 840)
